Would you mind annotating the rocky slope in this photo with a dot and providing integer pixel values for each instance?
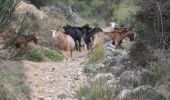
(119, 71)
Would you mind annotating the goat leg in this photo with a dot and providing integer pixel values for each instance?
(79, 45)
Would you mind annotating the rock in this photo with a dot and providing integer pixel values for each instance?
(55, 11)
(147, 92)
(24, 7)
(93, 68)
(62, 96)
(128, 79)
(125, 94)
(107, 76)
(112, 83)
(72, 15)
(144, 92)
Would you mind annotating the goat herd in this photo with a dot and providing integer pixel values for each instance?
(71, 39)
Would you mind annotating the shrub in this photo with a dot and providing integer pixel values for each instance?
(13, 83)
(34, 54)
(7, 8)
(97, 55)
(161, 72)
(141, 55)
(40, 53)
(97, 90)
(6, 93)
(52, 55)
(29, 24)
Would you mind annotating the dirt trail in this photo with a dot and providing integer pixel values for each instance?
(56, 81)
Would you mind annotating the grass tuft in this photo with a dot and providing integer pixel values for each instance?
(52, 55)
(97, 55)
(13, 83)
(97, 90)
(40, 54)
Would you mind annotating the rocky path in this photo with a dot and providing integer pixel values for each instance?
(56, 81)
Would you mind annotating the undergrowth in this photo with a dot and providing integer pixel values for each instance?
(12, 83)
(40, 54)
(97, 90)
(97, 55)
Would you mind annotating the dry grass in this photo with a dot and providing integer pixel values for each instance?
(97, 55)
(13, 83)
(97, 90)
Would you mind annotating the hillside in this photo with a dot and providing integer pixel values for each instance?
(137, 70)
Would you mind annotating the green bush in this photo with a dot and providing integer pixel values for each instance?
(34, 54)
(52, 55)
(125, 13)
(40, 54)
(7, 9)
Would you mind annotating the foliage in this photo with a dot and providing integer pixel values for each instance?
(141, 55)
(13, 83)
(7, 8)
(40, 54)
(52, 55)
(34, 54)
(97, 90)
(124, 14)
(97, 55)
(29, 24)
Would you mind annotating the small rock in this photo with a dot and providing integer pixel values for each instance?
(147, 92)
(125, 94)
(62, 96)
(107, 76)
(52, 69)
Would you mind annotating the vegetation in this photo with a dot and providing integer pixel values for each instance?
(12, 78)
(97, 90)
(13, 83)
(97, 55)
(52, 55)
(141, 55)
(34, 54)
(148, 18)
(29, 24)
(7, 8)
(40, 54)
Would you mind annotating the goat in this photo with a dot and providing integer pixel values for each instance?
(66, 42)
(7, 35)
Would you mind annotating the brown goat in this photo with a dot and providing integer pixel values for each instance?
(23, 40)
(7, 35)
(116, 36)
(66, 42)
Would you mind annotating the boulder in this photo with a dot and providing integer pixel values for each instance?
(144, 92)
